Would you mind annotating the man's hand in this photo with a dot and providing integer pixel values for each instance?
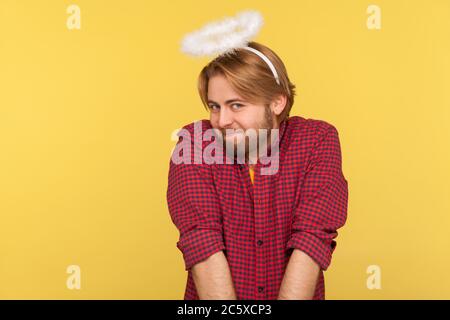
(212, 278)
(300, 278)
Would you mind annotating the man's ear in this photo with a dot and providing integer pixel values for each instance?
(278, 104)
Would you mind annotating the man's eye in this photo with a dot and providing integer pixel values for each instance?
(238, 106)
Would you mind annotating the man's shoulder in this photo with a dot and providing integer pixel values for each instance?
(198, 126)
(193, 138)
(299, 123)
(308, 130)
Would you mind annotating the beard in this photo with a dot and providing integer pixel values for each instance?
(236, 140)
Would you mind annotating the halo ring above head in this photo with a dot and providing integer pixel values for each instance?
(222, 36)
(225, 36)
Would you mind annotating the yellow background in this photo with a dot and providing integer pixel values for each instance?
(86, 118)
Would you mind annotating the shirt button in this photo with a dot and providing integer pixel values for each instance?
(260, 242)
(260, 289)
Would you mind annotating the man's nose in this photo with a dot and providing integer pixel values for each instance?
(225, 117)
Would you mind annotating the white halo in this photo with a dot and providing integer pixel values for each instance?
(222, 36)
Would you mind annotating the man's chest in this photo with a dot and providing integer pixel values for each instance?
(264, 205)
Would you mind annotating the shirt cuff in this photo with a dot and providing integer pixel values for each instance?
(314, 247)
(198, 244)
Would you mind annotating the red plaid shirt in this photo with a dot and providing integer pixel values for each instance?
(216, 207)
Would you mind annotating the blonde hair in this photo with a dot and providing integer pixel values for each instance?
(250, 77)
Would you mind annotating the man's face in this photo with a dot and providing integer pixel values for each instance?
(228, 110)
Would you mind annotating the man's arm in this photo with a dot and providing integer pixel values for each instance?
(212, 278)
(300, 277)
(321, 211)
